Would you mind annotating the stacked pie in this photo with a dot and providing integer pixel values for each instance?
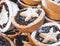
(52, 8)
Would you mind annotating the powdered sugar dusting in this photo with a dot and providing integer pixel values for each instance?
(30, 13)
(3, 16)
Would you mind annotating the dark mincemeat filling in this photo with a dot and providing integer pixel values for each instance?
(57, 2)
(12, 31)
(46, 30)
(4, 42)
(2, 26)
(21, 38)
(21, 20)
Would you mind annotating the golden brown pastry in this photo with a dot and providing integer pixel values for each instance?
(47, 35)
(29, 19)
(28, 3)
(50, 20)
(54, 5)
(50, 13)
(31, 2)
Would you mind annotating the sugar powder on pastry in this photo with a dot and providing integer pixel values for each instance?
(29, 19)
(47, 34)
(5, 15)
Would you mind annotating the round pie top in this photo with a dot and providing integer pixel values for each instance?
(28, 16)
(47, 34)
(5, 15)
(21, 21)
(50, 36)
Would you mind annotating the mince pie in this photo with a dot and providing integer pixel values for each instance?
(50, 13)
(5, 41)
(29, 19)
(47, 35)
(28, 3)
(5, 15)
(54, 5)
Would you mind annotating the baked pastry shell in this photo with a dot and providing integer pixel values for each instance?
(50, 13)
(31, 2)
(22, 5)
(53, 6)
(6, 38)
(35, 42)
(50, 20)
(32, 26)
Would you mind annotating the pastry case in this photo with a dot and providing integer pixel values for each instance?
(29, 22)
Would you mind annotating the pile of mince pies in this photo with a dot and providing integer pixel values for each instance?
(29, 22)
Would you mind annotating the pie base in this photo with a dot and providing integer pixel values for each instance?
(50, 13)
(53, 6)
(50, 20)
(31, 2)
(22, 5)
